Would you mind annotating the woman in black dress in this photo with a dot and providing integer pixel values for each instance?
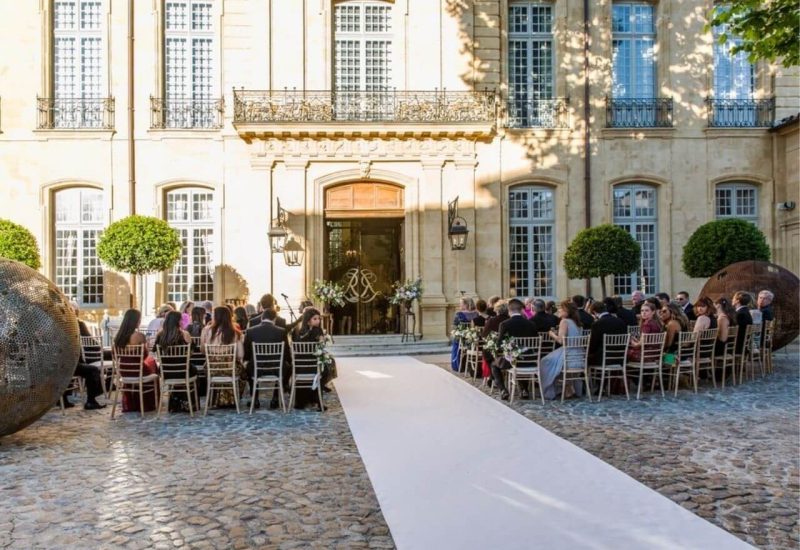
(310, 330)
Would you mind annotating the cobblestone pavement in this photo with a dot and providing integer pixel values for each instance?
(730, 456)
(227, 481)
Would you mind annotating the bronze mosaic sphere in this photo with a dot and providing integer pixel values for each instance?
(753, 277)
(39, 345)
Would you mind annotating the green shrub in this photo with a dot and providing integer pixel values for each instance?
(17, 243)
(721, 243)
(601, 251)
(139, 245)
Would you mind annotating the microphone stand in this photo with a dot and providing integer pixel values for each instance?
(292, 316)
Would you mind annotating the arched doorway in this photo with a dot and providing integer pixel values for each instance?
(364, 224)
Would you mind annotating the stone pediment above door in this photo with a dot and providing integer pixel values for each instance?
(363, 200)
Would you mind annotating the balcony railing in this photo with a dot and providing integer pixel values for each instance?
(75, 113)
(741, 113)
(294, 106)
(184, 114)
(639, 112)
(538, 113)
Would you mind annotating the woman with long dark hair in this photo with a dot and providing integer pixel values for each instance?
(223, 331)
(310, 330)
(171, 334)
(129, 335)
(726, 319)
(241, 318)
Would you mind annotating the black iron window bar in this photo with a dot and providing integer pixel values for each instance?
(639, 112)
(524, 112)
(741, 113)
(186, 113)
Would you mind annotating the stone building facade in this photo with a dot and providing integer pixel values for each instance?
(364, 120)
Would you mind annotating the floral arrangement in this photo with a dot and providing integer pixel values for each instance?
(406, 293)
(492, 343)
(466, 334)
(511, 351)
(328, 292)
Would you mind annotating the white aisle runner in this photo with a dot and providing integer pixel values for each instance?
(453, 468)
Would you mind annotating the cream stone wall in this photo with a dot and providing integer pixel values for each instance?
(452, 44)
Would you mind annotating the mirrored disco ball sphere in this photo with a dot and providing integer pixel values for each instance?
(753, 277)
(39, 345)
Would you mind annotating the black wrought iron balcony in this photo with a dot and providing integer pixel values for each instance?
(390, 108)
(186, 114)
(741, 113)
(75, 113)
(538, 113)
(639, 112)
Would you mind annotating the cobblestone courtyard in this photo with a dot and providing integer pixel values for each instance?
(288, 481)
(730, 456)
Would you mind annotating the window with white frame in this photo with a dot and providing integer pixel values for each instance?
(531, 213)
(636, 211)
(736, 200)
(190, 211)
(78, 64)
(79, 221)
(633, 50)
(189, 63)
(530, 63)
(363, 42)
(734, 75)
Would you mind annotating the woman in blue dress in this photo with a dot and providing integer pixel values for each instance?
(553, 362)
(464, 316)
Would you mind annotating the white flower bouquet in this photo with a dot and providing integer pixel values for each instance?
(511, 351)
(492, 343)
(406, 293)
(328, 292)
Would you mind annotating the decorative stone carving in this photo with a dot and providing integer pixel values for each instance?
(39, 345)
(383, 149)
(754, 277)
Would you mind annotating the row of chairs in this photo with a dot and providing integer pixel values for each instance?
(695, 353)
(126, 370)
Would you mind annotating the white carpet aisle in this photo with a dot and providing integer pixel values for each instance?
(452, 468)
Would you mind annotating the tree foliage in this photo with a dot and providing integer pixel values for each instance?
(600, 251)
(139, 245)
(767, 29)
(17, 243)
(721, 243)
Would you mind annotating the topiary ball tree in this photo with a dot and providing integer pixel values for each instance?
(139, 245)
(17, 243)
(601, 251)
(721, 243)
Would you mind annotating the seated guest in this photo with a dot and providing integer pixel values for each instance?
(637, 298)
(655, 303)
(648, 325)
(195, 328)
(682, 299)
(528, 310)
(551, 308)
(155, 325)
(674, 322)
(171, 334)
(186, 314)
(209, 308)
(663, 298)
(552, 363)
(462, 317)
(89, 373)
(516, 326)
(267, 333)
(480, 319)
(267, 301)
(586, 320)
(622, 312)
(726, 319)
(764, 303)
(491, 303)
(250, 309)
(741, 302)
(542, 320)
(493, 325)
(240, 318)
(129, 335)
(222, 331)
(705, 314)
(310, 330)
(604, 323)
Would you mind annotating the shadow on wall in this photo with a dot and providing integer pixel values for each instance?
(232, 288)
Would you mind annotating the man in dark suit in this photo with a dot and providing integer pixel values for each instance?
(682, 298)
(268, 333)
(266, 302)
(741, 301)
(620, 310)
(604, 323)
(516, 326)
(493, 325)
(586, 319)
(637, 299)
(542, 320)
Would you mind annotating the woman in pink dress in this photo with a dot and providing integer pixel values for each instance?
(129, 335)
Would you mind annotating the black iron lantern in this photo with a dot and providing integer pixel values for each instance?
(457, 230)
(277, 232)
(293, 252)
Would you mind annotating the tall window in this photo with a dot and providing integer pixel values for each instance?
(362, 58)
(78, 225)
(736, 200)
(530, 63)
(636, 211)
(190, 211)
(633, 50)
(734, 75)
(78, 66)
(189, 62)
(532, 224)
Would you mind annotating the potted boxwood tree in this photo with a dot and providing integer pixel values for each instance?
(17, 243)
(720, 243)
(601, 251)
